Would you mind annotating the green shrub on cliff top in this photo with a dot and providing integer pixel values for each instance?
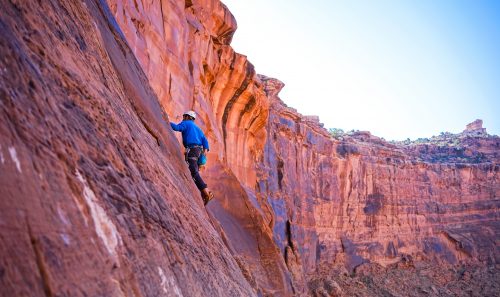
(336, 133)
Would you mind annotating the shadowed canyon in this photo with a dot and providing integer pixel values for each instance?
(96, 198)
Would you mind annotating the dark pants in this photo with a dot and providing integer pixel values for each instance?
(192, 156)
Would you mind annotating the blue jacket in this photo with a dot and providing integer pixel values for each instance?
(191, 134)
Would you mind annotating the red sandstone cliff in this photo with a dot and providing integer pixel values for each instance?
(363, 199)
(96, 199)
(195, 68)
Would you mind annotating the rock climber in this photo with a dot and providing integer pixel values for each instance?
(196, 145)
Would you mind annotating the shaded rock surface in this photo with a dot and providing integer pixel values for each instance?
(96, 199)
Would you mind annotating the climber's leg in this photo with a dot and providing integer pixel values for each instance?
(192, 159)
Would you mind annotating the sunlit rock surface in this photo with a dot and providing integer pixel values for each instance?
(96, 199)
(363, 199)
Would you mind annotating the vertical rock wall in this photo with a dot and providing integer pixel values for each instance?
(362, 199)
(95, 197)
(183, 46)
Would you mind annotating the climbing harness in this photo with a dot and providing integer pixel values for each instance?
(201, 160)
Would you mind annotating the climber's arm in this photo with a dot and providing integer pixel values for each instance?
(204, 143)
(178, 127)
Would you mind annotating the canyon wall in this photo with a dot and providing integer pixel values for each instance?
(361, 199)
(97, 200)
(184, 49)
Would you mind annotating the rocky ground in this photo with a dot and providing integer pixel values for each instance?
(409, 279)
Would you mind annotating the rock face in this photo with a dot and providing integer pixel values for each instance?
(475, 127)
(196, 69)
(96, 199)
(365, 200)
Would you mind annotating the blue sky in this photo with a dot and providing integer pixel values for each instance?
(400, 69)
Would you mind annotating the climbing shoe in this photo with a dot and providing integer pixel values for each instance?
(207, 196)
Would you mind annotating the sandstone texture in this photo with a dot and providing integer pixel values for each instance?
(363, 200)
(184, 49)
(408, 279)
(96, 199)
(475, 127)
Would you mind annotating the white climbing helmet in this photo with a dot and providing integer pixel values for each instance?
(190, 113)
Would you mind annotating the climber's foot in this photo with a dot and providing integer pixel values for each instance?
(207, 196)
